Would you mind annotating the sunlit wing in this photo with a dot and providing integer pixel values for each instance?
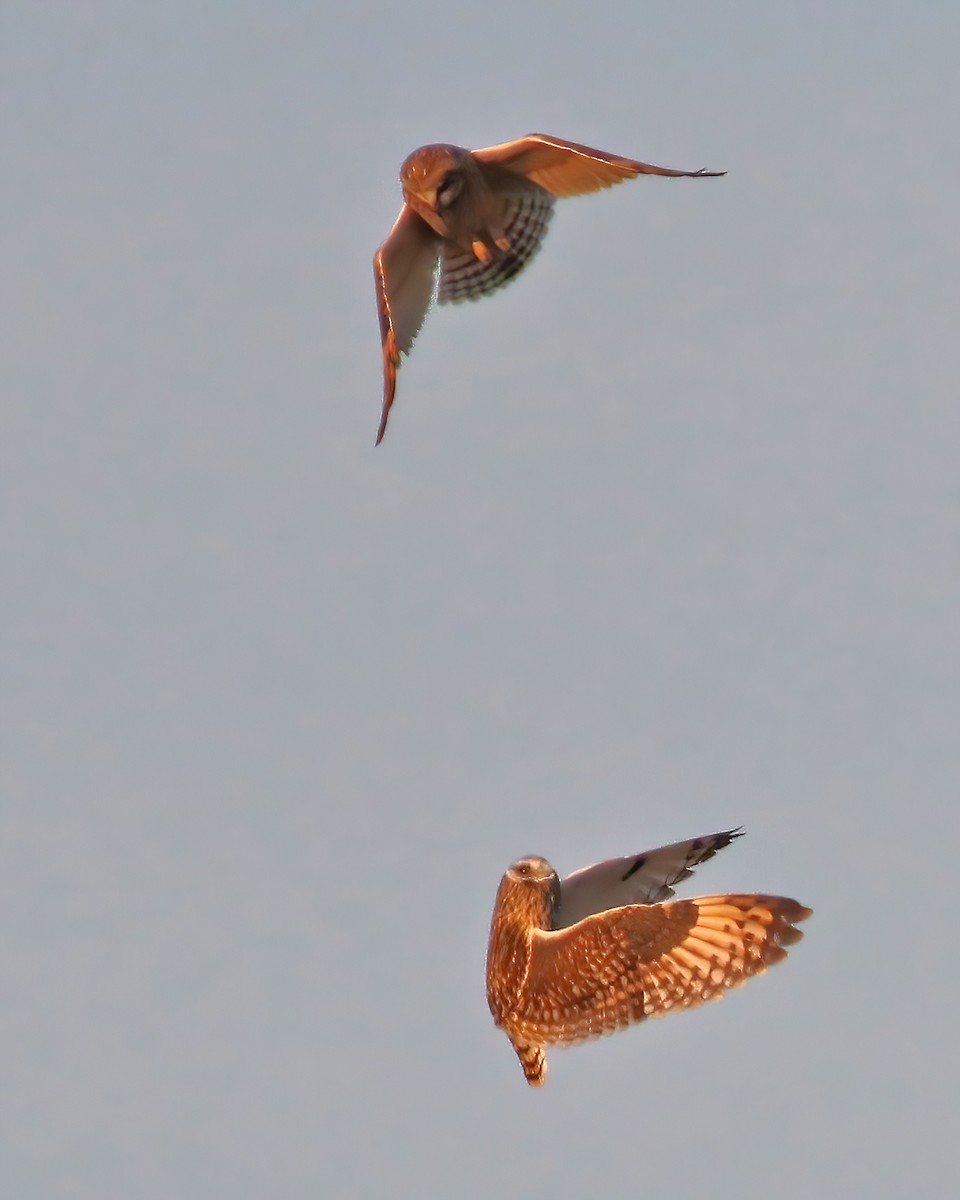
(567, 168)
(636, 879)
(405, 272)
(618, 967)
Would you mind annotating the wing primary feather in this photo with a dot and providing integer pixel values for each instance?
(570, 169)
(646, 878)
(405, 274)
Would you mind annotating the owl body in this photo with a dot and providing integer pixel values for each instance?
(522, 910)
(471, 221)
(550, 983)
(445, 186)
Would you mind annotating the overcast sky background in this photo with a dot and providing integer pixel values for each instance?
(663, 539)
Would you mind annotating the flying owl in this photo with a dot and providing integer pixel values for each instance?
(607, 946)
(477, 218)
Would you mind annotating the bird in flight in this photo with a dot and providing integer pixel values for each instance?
(607, 946)
(475, 219)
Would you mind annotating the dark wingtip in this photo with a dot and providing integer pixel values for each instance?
(719, 842)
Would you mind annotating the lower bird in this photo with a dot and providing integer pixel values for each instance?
(476, 218)
(606, 947)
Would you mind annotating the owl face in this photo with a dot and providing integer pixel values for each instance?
(433, 179)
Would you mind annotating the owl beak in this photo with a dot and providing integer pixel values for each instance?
(423, 204)
(421, 195)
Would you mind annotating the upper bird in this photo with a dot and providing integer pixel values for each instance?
(608, 946)
(479, 216)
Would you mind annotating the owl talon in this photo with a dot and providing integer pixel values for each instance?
(482, 252)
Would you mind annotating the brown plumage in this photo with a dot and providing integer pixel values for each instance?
(477, 218)
(554, 984)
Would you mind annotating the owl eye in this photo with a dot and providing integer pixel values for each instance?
(449, 189)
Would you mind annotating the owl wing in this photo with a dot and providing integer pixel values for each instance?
(525, 215)
(405, 272)
(637, 879)
(567, 168)
(618, 967)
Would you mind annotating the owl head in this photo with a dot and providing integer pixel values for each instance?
(534, 889)
(433, 179)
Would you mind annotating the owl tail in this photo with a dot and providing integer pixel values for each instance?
(534, 1063)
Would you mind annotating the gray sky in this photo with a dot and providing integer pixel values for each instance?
(664, 539)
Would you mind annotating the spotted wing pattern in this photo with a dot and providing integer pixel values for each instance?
(618, 967)
(465, 277)
(636, 879)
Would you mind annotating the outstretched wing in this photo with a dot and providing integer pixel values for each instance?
(405, 272)
(526, 213)
(618, 967)
(637, 879)
(567, 168)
